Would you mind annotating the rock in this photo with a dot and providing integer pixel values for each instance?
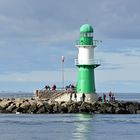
(96, 106)
(11, 108)
(62, 102)
(22, 106)
(25, 105)
(33, 107)
(121, 111)
(4, 104)
(138, 106)
(138, 111)
(39, 104)
(18, 102)
(41, 110)
(73, 109)
(102, 110)
(55, 108)
(1, 109)
(79, 103)
(19, 109)
(48, 107)
(110, 110)
(128, 103)
(107, 108)
(131, 108)
(85, 107)
(63, 109)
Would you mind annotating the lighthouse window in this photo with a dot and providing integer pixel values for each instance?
(90, 34)
(86, 34)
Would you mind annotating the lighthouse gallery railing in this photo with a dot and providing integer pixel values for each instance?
(88, 62)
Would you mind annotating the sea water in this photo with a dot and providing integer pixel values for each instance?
(71, 126)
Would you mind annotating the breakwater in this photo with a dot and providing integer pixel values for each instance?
(31, 105)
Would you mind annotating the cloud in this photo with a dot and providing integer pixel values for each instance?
(118, 66)
(120, 19)
(109, 66)
(37, 19)
(54, 76)
(120, 86)
(125, 46)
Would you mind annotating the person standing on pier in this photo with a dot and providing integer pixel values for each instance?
(75, 96)
(83, 97)
(71, 96)
(110, 96)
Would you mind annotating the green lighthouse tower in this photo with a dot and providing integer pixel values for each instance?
(86, 64)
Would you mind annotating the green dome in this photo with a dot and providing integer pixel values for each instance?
(86, 28)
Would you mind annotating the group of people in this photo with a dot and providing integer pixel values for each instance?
(102, 98)
(75, 96)
(70, 87)
(47, 87)
(110, 95)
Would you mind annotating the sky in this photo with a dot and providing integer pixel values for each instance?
(34, 34)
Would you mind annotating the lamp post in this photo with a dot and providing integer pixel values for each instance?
(62, 61)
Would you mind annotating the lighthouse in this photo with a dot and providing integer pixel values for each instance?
(86, 64)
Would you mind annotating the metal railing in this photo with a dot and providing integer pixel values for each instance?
(88, 62)
(95, 43)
